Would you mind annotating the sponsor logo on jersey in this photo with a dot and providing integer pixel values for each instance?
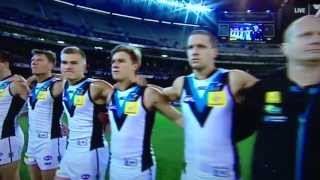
(47, 158)
(85, 176)
(272, 109)
(275, 119)
(130, 162)
(217, 99)
(273, 97)
(221, 172)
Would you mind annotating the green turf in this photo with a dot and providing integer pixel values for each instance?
(167, 142)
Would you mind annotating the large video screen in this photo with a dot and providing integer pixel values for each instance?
(246, 32)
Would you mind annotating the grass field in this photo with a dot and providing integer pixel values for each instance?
(168, 145)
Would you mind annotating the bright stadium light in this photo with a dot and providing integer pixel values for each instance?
(98, 48)
(183, 5)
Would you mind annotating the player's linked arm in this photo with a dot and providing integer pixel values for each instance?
(155, 99)
(100, 90)
(239, 81)
(174, 92)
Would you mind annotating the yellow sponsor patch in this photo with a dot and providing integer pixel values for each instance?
(2, 92)
(273, 97)
(42, 95)
(131, 108)
(78, 100)
(216, 99)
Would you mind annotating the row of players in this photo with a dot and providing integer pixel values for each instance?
(208, 97)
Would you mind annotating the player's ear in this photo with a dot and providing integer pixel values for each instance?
(136, 66)
(214, 52)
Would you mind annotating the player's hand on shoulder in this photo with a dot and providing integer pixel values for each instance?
(20, 88)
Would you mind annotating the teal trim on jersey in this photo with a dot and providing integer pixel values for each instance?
(4, 84)
(68, 96)
(129, 97)
(120, 118)
(201, 102)
(36, 90)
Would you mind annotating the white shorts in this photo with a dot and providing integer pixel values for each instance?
(11, 148)
(208, 172)
(130, 169)
(81, 163)
(45, 153)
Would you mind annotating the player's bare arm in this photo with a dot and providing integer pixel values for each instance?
(157, 100)
(239, 81)
(100, 90)
(174, 92)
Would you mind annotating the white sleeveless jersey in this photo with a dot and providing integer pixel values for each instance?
(44, 112)
(85, 129)
(131, 126)
(207, 107)
(10, 107)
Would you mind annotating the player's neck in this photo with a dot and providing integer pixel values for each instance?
(204, 73)
(124, 84)
(76, 80)
(42, 77)
(4, 74)
(304, 75)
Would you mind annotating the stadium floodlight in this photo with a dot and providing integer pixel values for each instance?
(164, 55)
(60, 42)
(183, 5)
(197, 8)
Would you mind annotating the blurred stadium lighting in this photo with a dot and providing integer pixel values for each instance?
(63, 2)
(188, 6)
(98, 47)
(60, 42)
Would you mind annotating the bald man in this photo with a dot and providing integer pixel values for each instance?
(285, 107)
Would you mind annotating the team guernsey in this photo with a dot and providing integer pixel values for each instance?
(11, 142)
(131, 127)
(46, 144)
(87, 152)
(207, 108)
(286, 117)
